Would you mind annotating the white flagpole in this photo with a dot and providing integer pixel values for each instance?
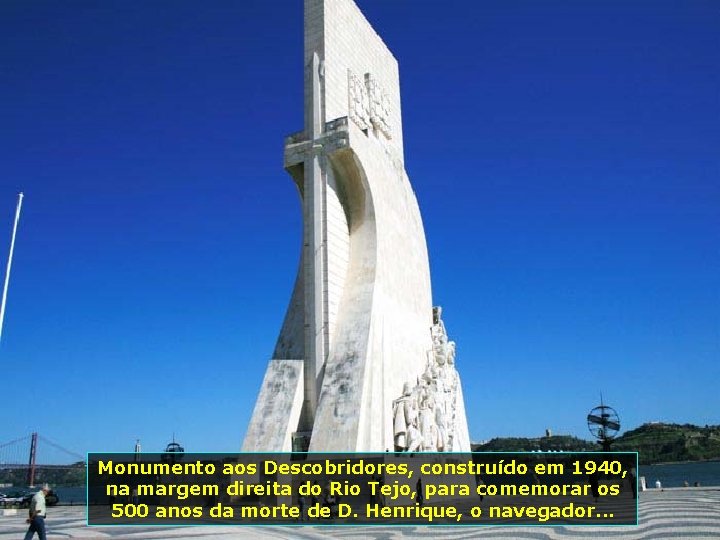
(9, 262)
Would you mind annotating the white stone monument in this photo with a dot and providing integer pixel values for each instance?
(363, 361)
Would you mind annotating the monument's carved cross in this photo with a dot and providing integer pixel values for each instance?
(363, 362)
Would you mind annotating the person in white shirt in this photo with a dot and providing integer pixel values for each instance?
(36, 519)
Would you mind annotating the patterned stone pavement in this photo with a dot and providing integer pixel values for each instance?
(675, 513)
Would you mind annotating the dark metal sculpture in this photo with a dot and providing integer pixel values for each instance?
(604, 424)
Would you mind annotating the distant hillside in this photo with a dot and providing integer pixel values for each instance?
(659, 443)
(520, 444)
(72, 475)
(656, 443)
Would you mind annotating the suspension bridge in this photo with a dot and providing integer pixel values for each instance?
(34, 458)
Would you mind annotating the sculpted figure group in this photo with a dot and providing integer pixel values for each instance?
(424, 416)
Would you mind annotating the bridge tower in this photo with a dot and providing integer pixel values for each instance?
(31, 463)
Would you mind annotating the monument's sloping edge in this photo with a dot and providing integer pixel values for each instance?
(383, 334)
(277, 409)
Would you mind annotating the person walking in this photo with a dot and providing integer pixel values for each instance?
(301, 506)
(479, 482)
(594, 482)
(37, 512)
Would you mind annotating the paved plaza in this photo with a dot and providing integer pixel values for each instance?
(674, 513)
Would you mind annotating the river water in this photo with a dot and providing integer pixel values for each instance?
(71, 494)
(707, 473)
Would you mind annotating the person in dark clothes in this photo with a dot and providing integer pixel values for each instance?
(633, 482)
(479, 482)
(594, 485)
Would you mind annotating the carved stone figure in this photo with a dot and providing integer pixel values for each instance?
(404, 417)
(441, 428)
(414, 439)
(428, 427)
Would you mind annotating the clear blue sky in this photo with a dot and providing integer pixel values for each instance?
(565, 158)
